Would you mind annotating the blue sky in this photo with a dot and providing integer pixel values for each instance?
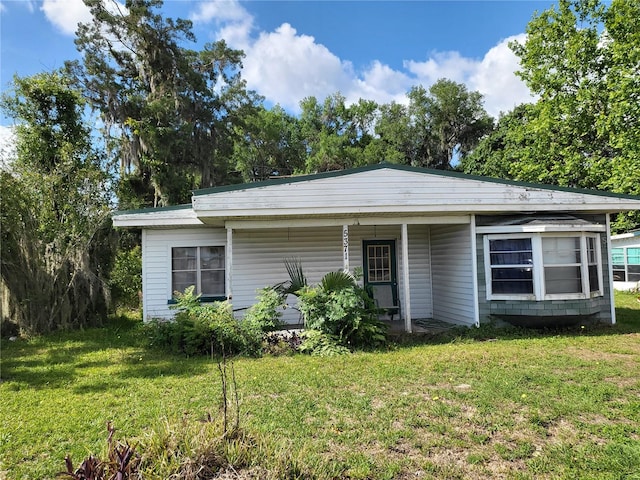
(364, 49)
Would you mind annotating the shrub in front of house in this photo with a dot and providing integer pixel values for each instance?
(266, 313)
(205, 329)
(343, 310)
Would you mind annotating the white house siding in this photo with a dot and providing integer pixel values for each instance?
(156, 253)
(259, 260)
(452, 274)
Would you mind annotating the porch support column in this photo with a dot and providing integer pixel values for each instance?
(345, 248)
(474, 271)
(610, 271)
(228, 265)
(406, 307)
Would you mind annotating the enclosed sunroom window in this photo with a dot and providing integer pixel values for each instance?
(542, 266)
(202, 267)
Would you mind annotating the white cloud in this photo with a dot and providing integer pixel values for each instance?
(219, 11)
(286, 67)
(380, 83)
(449, 65)
(493, 76)
(66, 14)
(234, 22)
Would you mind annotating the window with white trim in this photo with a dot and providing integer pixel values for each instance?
(542, 266)
(626, 264)
(203, 267)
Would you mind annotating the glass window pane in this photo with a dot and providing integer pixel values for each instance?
(515, 251)
(619, 275)
(561, 250)
(512, 280)
(212, 282)
(183, 258)
(594, 284)
(633, 256)
(211, 258)
(510, 245)
(634, 273)
(181, 280)
(592, 257)
(617, 256)
(562, 280)
(512, 258)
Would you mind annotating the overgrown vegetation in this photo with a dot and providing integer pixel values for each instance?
(486, 404)
(341, 309)
(57, 243)
(126, 278)
(205, 329)
(339, 315)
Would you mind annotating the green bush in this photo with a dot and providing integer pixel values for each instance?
(264, 314)
(126, 278)
(201, 329)
(341, 308)
(317, 343)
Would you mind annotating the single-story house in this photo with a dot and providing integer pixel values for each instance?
(625, 253)
(432, 244)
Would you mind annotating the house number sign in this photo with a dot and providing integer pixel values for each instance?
(345, 247)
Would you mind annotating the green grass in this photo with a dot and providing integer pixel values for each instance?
(486, 404)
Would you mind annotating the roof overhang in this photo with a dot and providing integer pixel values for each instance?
(375, 194)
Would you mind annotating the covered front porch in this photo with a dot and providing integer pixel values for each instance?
(419, 269)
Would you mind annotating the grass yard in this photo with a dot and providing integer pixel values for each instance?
(488, 404)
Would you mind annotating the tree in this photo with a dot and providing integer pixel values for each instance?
(336, 135)
(268, 144)
(56, 240)
(169, 111)
(581, 59)
(436, 127)
(456, 120)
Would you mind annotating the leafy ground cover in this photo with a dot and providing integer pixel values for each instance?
(481, 404)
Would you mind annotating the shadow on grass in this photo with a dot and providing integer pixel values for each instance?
(627, 322)
(61, 359)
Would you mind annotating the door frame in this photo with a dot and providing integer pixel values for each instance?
(393, 267)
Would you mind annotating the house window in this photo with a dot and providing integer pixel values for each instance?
(562, 265)
(618, 265)
(626, 264)
(511, 266)
(541, 266)
(202, 267)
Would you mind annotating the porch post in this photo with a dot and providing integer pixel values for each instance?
(345, 248)
(610, 271)
(474, 271)
(228, 266)
(406, 307)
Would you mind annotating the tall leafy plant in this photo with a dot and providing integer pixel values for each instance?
(56, 245)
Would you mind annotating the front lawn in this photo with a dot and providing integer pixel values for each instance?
(485, 405)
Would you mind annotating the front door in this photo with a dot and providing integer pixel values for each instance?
(380, 276)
